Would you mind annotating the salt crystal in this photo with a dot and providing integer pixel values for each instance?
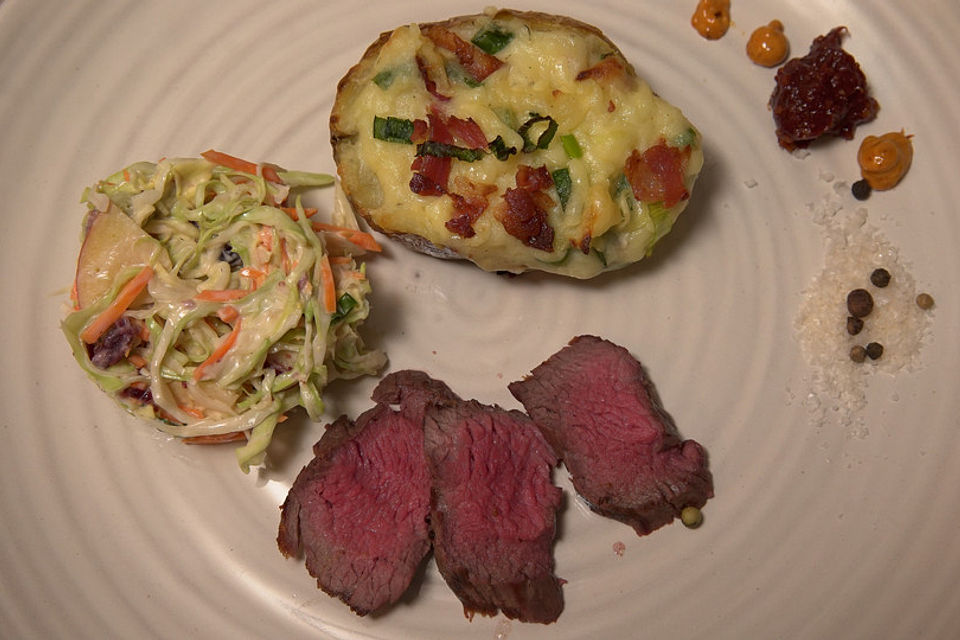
(853, 250)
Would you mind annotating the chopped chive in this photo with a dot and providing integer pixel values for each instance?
(544, 139)
(384, 79)
(571, 146)
(442, 150)
(500, 148)
(685, 139)
(392, 129)
(563, 184)
(345, 304)
(492, 39)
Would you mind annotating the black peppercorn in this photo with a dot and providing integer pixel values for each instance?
(874, 350)
(859, 303)
(854, 325)
(858, 353)
(925, 301)
(880, 278)
(861, 189)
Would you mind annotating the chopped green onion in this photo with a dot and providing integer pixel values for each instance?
(384, 79)
(506, 116)
(544, 139)
(442, 150)
(571, 146)
(345, 304)
(563, 184)
(492, 39)
(500, 149)
(685, 139)
(392, 129)
(456, 73)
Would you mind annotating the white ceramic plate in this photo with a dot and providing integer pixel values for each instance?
(819, 529)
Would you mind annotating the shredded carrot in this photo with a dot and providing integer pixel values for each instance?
(112, 313)
(192, 411)
(360, 238)
(329, 286)
(281, 418)
(145, 332)
(219, 352)
(219, 438)
(126, 175)
(137, 360)
(292, 212)
(231, 162)
(256, 276)
(228, 313)
(222, 295)
(269, 172)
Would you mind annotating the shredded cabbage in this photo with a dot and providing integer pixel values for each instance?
(246, 241)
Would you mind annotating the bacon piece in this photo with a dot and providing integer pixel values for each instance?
(430, 175)
(607, 69)
(421, 132)
(526, 221)
(656, 175)
(533, 179)
(468, 211)
(475, 61)
(470, 201)
(468, 132)
(428, 81)
(525, 216)
(439, 130)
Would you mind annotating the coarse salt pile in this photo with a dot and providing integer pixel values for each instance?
(853, 249)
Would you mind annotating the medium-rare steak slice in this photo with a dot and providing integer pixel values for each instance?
(413, 391)
(359, 509)
(493, 511)
(597, 408)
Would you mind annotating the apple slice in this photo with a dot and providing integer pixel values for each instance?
(113, 242)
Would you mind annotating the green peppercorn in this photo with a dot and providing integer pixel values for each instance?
(880, 278)
(691, 517)
(925, 301)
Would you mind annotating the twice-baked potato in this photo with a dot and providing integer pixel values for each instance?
(516, 140)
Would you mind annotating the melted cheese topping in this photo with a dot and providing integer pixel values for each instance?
(609, 117)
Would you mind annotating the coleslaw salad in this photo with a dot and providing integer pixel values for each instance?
(209, 299)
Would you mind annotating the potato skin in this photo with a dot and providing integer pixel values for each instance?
(362, 194)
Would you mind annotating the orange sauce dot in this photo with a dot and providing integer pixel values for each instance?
(768, 46)
(884, 160)
(711, 18)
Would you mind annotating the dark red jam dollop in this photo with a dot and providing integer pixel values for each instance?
(823, 93)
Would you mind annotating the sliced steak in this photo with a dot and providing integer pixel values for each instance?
(595, 405)
(413, 391)
(359, 509)
(493, 511)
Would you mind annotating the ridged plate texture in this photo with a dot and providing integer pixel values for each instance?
(821, 527)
